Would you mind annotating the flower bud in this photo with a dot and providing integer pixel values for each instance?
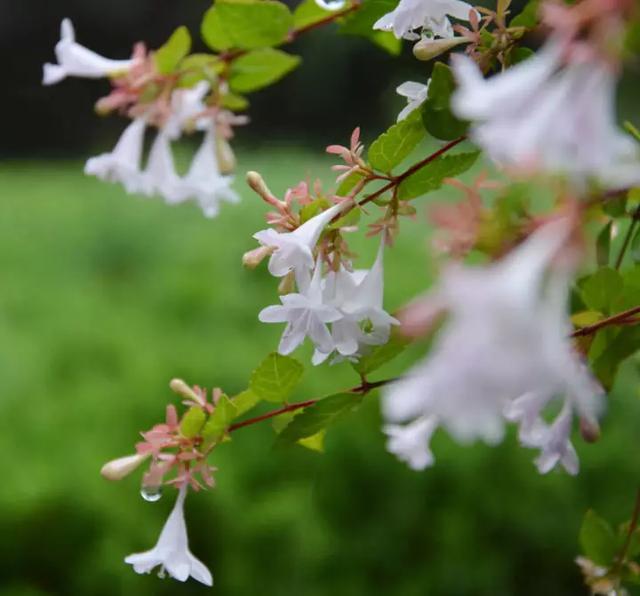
(252, 258)
(590, 430)
(181, 388)
(287, 284)
(225, 155)
(258, 185)
(117, 469)
(426, 48)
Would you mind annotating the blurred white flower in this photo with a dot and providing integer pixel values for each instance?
(506, 337)
(204, 182)
(416, 94)
(77, 61)
(160, 177)
(171, 552)
(432, 15)
(294, 250)
(306, 315)
(546, 114)
(555, 444)
(123, 163)
(186, 107)
(410, 442)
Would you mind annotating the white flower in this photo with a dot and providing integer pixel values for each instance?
(77, 61)
(294, 250)
(548, 115)
(204, 181)
(171, 551)
(556, 445)
(410, 443)
(506, 337)
(186, 106)
(416, 94)
(160, 175)
(359, 298)
(306, 315)
(428, 14)
(123, 163)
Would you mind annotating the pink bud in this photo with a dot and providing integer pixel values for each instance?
(252, 258)
(181, 388)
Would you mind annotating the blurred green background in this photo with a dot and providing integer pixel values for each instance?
(105, 297)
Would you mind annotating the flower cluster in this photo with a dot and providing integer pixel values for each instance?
(504, 353)
(172, 110)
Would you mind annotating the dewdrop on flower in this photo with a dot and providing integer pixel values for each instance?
(77, 61)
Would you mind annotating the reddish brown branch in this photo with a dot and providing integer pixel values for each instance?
(622, 318)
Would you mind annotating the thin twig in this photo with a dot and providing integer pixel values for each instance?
(619, 318)
(633, 525)
(627, 239)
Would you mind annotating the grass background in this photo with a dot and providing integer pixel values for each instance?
(105, 297)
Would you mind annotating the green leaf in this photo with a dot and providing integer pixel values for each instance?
(597, 539)
(171, 53)
(198, 67)
(245, 401)
(380, 355)
(319, 416)
(222, 417)
(192, 422)
(634, 248)
(618, 348)
(307, 13)
(234, 102)
(276, 377)
(616, 207)
(361, 23)
(601, 290)
(314, 442)
(603, 245)
(431, 176)
(260, 68)
(246, 24)
(436, 113)
(528, 16)
(394, 145)
(349, 183)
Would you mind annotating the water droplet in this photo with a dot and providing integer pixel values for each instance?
(151, 493)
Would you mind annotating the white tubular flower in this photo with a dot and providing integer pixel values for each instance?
(416, 94)
(204, 181)
(506, 338)
(306, 315)
(186, 106)
(75, 60)
(544, 114)
(294, 250)
(171, 552)
(410, 443)
(160, 175)
(556, 447)
(123, 163)
(432, 15)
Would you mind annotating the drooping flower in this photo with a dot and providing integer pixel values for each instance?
(294, 250)
(431, 15)
(410, 442)
(122, 165)
(160, 176)
(187, 110)
(171, 552)
(506, 337)
(416, 94)
(552, 113)
(77, 61)
(204, 181)
(359, 297)
(306, 315)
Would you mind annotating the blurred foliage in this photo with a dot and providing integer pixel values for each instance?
(106, 297)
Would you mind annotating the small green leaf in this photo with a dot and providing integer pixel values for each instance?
(198, 67)
(436, 113)
(314, 442)
(528, 16)
(361, 23)
(618, 348)
(603, 245)
(394, 145)
(222, 417)
(319, 416)
(234, 102)
(431, 176)
(245, 401)
(276, 377)
(601, 290)
(313, 208)
(380, 355)
(246, 24)
(260, 68)
(349, 183)
(307, 13)
(597, 540)
(171, 53)
(192, 422)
